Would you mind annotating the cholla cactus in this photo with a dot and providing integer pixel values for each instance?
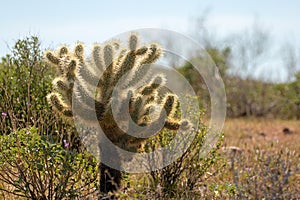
(98, 76)
(106, 69)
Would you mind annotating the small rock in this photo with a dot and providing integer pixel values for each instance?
(287, 131)
(232, 149)
(263, 134)
(248, 136)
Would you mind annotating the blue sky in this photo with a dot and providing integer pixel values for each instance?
(65, 22)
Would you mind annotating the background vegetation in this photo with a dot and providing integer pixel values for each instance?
(42, 157)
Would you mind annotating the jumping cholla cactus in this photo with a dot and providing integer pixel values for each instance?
(98, 76)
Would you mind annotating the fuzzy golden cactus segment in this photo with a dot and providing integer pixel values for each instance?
(99, 75)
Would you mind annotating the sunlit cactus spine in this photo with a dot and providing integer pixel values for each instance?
(98, 76)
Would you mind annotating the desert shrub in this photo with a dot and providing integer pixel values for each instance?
(186, 176)
(34, 168)
(25, 81)
(251, 98)
(220, 57)
(258, 174)
(289, 94)
(269, 176)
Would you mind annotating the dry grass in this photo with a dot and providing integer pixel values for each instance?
(268, 165)
(262, 132)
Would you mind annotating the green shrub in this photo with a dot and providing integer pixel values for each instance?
(32, 167)
(182, 178)
(289, 94)
(25, 81)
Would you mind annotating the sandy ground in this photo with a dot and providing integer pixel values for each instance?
(247, 133)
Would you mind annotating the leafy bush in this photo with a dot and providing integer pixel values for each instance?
(183, 178)
(25, 81)
(289, 95)
(32, 167)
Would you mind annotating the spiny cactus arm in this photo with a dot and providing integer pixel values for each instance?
(86, 99)
(116, 44)
(115, 69)
(141, 51)
(136, 76)
(144, 100)
(81, 110)
(97, 58)
(172, 124)
(156, 82)
(128, 60)
(86, 75)
(64, 50)
(169, 104)
(155, 52)
(139, 110)
(54, 58)
(79, 51)
(67, 63)
(70, 71)
(98, 54)
(64, 87)
(59, 59)
(137, 107)
(84, 72)
(66, 66)
(103, 58)
(104, 85)
(142, 68)
(168, 107)
(125, 65)
(120, 58)
(56, 100)
(133, 41)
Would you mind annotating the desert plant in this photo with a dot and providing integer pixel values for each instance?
(25, 81)
(22, 100)
(265, 174)
(86, 86)
(34, 168)
(289, 100)
(187, 173)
